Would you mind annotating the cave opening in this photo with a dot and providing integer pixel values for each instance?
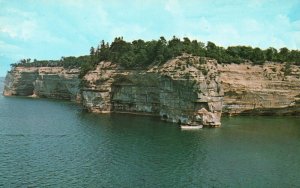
(164, 117)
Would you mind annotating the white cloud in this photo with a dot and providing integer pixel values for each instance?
(24, 26)
(173, 7)
(17, 24)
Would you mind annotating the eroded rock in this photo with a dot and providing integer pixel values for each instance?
(49, 82)
(260, 89)
(175, 91)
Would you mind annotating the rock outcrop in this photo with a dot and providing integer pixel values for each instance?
(267, 89)
(175, 91)
(48, 82)
(186, 90)
(20, 81)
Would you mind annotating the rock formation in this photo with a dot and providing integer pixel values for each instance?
(261, 89)
(186, 90)
(48, 82)
(175, 91)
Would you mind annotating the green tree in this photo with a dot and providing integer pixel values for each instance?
(271, 54)
(258, 56)
(140, 54)
(92, 51)
(283, 54)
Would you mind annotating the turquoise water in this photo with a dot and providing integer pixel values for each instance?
(53, 143)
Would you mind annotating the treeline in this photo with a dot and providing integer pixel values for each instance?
(82, 62)
(67, 62)
(140, 54)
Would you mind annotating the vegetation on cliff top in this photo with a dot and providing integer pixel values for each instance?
(139, 54)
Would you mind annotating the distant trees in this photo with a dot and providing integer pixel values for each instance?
(140, 54)
(271, 54)
(257, 56)
(283, 54)
(67, 62)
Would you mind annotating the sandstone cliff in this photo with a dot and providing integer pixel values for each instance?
(182, 90)
(260, 89)
(187, 89)
(49, 82)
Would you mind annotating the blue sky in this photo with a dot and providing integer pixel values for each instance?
(49, 29)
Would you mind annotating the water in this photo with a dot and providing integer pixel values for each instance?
(53, 143)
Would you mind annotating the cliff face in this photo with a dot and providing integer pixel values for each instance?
(49, 82)
(264, 90)
(182, 90)
(186, 89)
(20, 81)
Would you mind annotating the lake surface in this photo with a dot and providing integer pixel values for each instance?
(53, 143)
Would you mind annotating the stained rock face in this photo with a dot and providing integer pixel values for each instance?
(175, 91)
(58, 83)
(187, 89)
(20, 81)
(49, 82)
(262, 90)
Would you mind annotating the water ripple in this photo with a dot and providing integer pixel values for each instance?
(55, 145)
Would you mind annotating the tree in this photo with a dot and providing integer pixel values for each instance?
(258, 56)
(233, 51)
(127, 59)
(211, 47)
(140, 54)
(92, 51)
(23, 61)
(294, 56)
(175, 46)
(283, 54)
(212, 50)
(271, 54)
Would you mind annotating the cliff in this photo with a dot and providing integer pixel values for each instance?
(48, 82)
(187, 89)
(184, 90)
(267, 89)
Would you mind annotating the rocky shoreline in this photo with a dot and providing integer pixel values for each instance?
(186, 89)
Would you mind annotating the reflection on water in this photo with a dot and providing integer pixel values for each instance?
(54, 143)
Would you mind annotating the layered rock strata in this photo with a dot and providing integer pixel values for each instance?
(48, 82)
(182, 90)
(186, 89)
(267, 89)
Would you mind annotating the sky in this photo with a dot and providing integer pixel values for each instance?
(50, 29)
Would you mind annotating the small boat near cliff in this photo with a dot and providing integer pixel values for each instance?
(190, 127)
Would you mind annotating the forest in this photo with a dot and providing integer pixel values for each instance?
(140, 54)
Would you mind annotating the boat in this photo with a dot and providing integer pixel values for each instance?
(190, 127)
